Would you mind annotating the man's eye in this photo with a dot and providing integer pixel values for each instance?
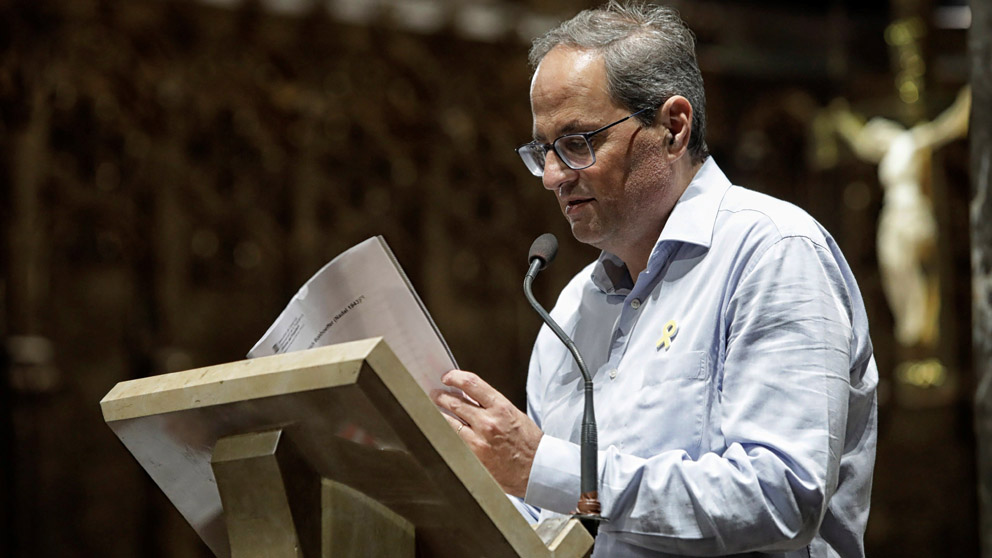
(575, 144)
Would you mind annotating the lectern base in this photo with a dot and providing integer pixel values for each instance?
(271, 499)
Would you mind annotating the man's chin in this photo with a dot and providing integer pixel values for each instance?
(585, 234)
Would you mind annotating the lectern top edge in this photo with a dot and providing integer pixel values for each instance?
(273, 375)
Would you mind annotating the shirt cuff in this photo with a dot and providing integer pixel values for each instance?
(555, 476)
(530, 513)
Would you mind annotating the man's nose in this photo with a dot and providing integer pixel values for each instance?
(556, 173)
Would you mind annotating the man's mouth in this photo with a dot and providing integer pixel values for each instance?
(574, 204)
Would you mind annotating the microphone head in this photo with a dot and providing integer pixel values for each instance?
(544, 248)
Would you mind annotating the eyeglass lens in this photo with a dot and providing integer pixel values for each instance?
(533, 156)
(574, 150)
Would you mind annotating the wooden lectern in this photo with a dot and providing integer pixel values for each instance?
(331, 452)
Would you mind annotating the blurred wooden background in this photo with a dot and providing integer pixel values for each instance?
(172, 171)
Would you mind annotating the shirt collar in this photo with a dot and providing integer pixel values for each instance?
(691, 222)
(694, 216)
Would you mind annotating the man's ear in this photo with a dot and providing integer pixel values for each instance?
(676, 116)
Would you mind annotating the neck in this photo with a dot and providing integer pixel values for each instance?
(635, 254)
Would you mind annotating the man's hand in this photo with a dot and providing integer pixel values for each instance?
(503, 437)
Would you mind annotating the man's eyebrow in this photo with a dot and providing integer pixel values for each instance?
(570, 127)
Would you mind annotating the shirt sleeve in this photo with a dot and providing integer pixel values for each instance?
(530, 513)
(783, 411)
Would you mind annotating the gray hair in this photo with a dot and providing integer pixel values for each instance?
(650, 55)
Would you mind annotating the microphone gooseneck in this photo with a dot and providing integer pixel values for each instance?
(542, 253)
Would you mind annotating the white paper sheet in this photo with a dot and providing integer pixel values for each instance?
(362, 293)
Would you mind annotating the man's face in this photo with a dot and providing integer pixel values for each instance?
(621, 200)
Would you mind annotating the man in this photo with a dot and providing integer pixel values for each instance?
(735, 383)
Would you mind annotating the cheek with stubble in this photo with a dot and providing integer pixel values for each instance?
(650, 175)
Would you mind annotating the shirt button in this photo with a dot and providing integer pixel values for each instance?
(613, 373)
(635, 304)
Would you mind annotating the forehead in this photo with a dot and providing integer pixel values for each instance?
(569, 88)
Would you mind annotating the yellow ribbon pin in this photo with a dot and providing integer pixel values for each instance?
(668, 333)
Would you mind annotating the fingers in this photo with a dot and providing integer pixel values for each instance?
(463, 430)
(473, 386)
(457, 405)
(456, 424)
(501, 436)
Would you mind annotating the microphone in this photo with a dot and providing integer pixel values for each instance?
(542, 253)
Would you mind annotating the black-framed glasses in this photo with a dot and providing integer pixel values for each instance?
(575, 150)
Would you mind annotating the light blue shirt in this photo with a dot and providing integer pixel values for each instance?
(735, 387)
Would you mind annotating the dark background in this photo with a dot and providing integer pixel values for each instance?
(173, 171)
